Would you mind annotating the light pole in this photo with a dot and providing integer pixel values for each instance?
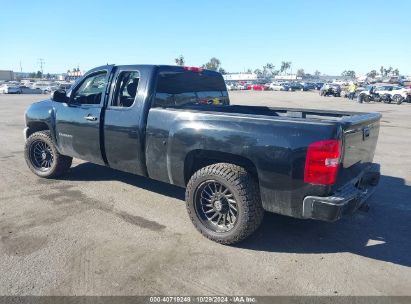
(41, 63)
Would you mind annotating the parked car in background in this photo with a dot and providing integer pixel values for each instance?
(295, 86)
(230, 86)
(256, 87)
(276, 86)
(308, 86)
(65, 86)
(10, 89)
(318, 85)
(400, 94)
(45, 87)
(331, 89)
(28, 90)
(241, 86)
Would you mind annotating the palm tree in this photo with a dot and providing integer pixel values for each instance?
(179, 60)
(285, 65)
(269, 67)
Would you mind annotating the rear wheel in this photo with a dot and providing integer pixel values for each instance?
(366, 98)
(42, 157)
(223, 202)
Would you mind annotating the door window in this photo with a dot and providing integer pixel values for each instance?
(126, 89)
(91, 89)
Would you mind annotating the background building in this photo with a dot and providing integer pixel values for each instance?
(240, 76)
(287, 77)
(6, 75)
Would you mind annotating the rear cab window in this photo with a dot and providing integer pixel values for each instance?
(182, 88)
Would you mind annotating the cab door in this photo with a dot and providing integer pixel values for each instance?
(124, 123)
(78, 121)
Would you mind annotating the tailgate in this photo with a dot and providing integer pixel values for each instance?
(360, 136)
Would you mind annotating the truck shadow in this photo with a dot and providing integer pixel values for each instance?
(92, 172)
(381, 234)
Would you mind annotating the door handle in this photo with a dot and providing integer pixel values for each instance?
(90, 118)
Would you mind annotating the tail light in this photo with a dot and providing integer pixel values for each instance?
(322, 162)
(193, 69)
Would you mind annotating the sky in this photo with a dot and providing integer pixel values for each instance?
(328, 36)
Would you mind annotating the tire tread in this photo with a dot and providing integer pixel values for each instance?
(248, 190)
(63, 162)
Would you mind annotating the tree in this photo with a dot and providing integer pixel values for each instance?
(32, 75)
(372, 74)
(48, 76)
(348, 73)
(300, 73)
(382, 70)
(388, 71)
(285, 65)
(249, 71)
(268, 69)
(222, 71)
(180, 60)
(213, 64)
(396, 72)
(38, 74)
(317, 73)
(258, 72)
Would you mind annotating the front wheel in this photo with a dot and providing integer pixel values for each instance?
(223, 202)
(42, 157)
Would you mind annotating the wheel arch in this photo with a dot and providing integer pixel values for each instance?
(36, 126)
(198, 159)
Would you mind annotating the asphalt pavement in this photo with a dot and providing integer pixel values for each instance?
(97, 231)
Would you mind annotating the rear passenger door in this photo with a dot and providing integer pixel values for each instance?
(123, 128)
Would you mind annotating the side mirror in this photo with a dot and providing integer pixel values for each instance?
(59, 96)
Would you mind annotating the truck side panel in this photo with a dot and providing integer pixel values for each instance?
(278, 152)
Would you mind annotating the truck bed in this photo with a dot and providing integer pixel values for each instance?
(295, 113)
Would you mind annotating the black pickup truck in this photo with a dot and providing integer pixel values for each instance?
(176, 125)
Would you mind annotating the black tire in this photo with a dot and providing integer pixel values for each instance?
(366, 98)
(398, 99)
(386, 99)
(42, 157)
(243, 190)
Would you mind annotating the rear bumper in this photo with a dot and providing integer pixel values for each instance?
(345, 201)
